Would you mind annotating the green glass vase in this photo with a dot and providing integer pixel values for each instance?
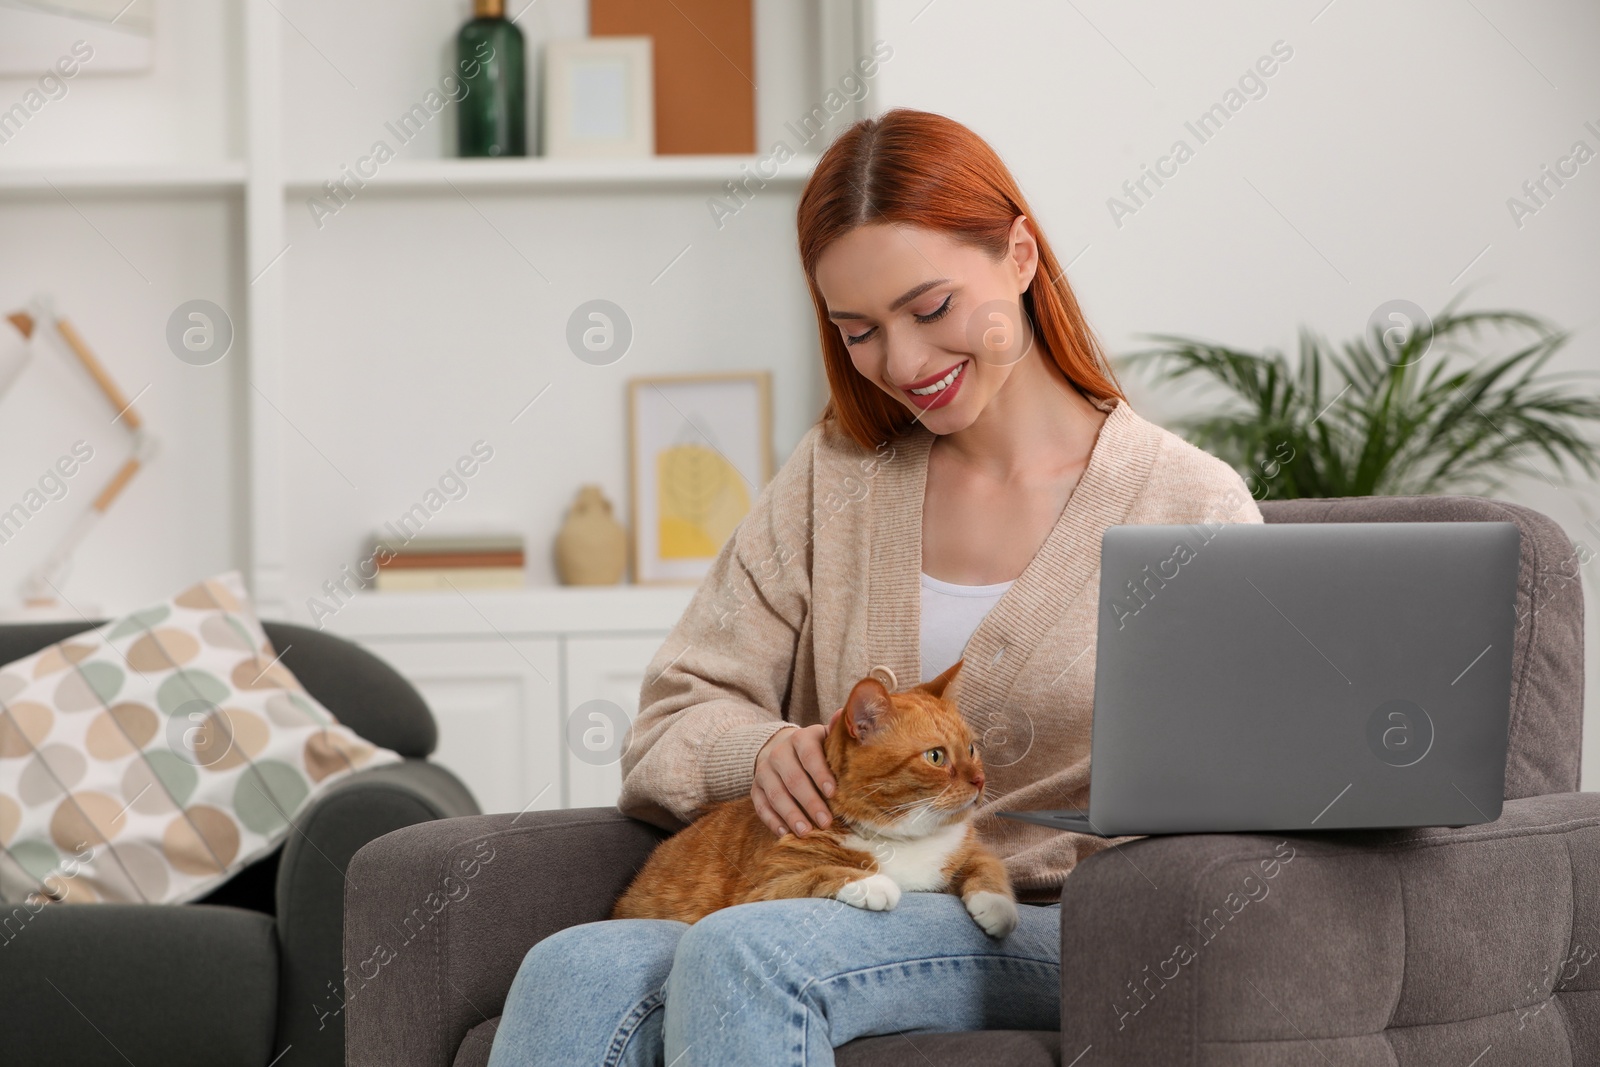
(492, 116)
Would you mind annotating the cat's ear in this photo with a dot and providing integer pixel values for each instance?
(937, 686)
(867, 709)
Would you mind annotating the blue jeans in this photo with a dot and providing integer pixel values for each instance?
(778, 982)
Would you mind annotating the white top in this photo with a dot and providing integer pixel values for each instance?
(950, 613)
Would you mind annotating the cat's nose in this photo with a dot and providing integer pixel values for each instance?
(977, 781)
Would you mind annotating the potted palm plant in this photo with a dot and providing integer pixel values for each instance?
(1396, 411)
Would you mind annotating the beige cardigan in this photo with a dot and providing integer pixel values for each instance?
(820, 582)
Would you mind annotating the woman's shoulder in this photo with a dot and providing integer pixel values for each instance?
(1189, 484)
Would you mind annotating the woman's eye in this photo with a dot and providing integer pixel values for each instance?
(935, 756)
(857, 338)
(938, 313)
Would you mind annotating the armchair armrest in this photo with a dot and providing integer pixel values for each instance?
(310, 890)
(439, 915)
(1352, 946)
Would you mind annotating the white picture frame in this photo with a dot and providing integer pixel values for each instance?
(711, 436)
(599, 98)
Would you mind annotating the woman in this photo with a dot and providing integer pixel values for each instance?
(949, 503)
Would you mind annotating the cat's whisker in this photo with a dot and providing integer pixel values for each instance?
(912, 811)
(906, 815)
(911, 804)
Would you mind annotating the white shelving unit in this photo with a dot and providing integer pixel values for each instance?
(251, 106)
(531, 205)
(372, 348)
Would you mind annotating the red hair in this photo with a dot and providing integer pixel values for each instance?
(920, 169)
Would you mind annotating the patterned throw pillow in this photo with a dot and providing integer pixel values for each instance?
(152, 758)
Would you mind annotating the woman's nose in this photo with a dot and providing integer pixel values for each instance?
(906, 361)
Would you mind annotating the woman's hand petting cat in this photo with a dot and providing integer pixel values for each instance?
(791, 779)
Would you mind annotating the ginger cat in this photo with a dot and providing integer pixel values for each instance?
(908, 779)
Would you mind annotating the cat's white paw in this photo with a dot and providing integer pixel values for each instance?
(876, 892)
(995, 913)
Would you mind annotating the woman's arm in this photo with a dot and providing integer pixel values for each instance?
(717, 689)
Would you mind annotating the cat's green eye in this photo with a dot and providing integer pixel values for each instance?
(935, 756)
(972, 750)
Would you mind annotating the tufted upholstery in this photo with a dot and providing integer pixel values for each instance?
(1388, 947)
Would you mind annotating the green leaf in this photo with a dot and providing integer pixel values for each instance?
(1440, 414)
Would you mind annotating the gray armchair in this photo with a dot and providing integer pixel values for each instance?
(1359, 947)
(255, 970)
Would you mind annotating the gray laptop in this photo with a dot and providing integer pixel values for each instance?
(1299, 676)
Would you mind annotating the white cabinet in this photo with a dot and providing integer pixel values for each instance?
(609, 670)
(496, 705)
(532, 689)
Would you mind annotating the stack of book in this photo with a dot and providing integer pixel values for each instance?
(467, 561)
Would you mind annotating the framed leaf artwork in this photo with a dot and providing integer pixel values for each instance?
(699, 452)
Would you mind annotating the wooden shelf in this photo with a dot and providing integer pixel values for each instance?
(552, 175)
(129, 178)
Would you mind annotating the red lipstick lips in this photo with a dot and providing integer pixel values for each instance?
(929, 401)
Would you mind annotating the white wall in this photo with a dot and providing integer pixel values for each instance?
(1381, 158)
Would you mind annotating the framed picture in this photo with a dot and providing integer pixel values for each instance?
(599, 98)
(699, 452)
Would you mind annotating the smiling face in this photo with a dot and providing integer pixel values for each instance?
(932, 321)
